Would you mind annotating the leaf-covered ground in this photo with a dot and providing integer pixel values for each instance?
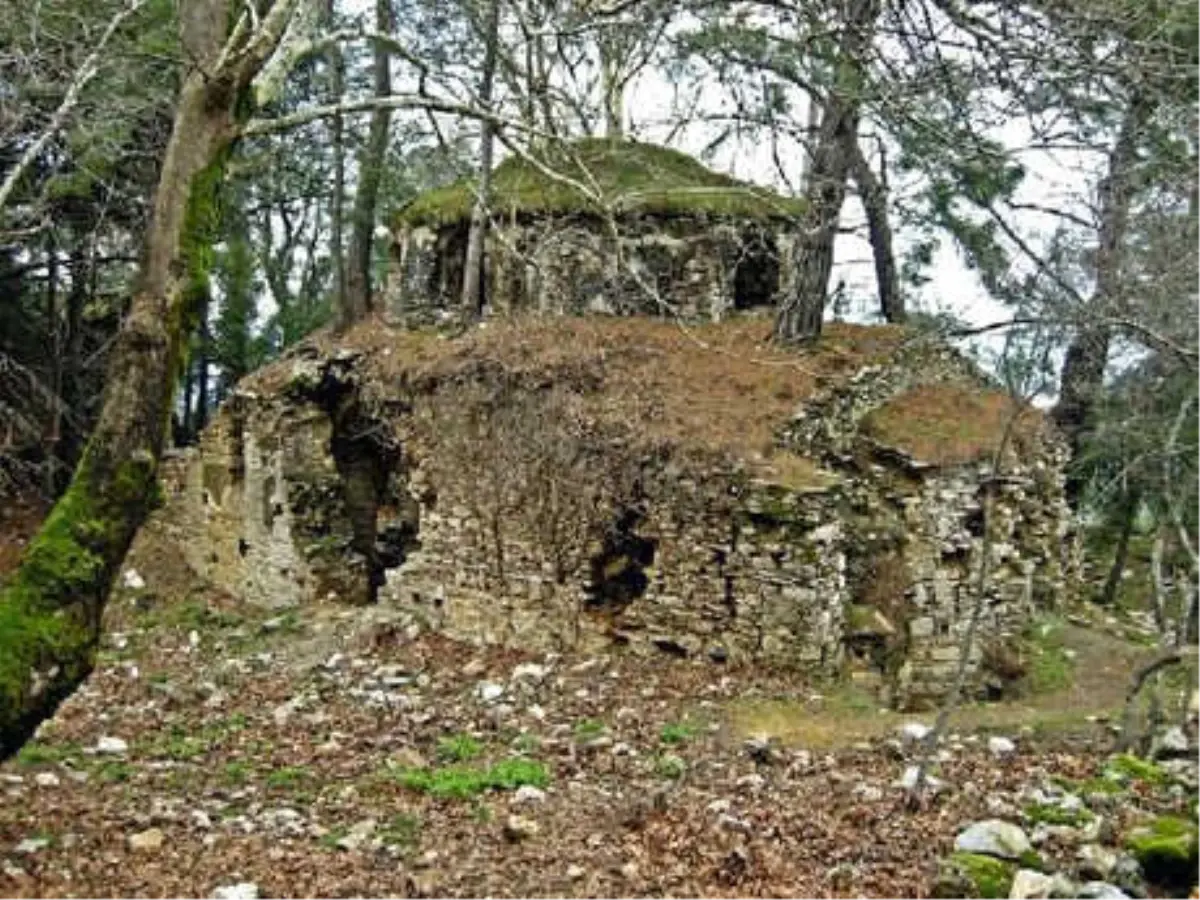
(324, 754)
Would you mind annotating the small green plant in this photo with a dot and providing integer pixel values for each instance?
(288, 777)
(481, 813)
(670, 766)
(458, 748)
(402, 830)
(677, 733)
(329, 840)
(36, 753)
(589, 729)
(237, 772)
(114, 770)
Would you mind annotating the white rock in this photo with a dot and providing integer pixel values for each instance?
(993, 837)
(147, 841)
(1096, 861)
(32, 845)
(537, 712)
(1099, 890)
(1030, 885)
(1173, 740)
(489, 691)
(575, 872)
(720, 805)
(335, 661)
(528, 794)
(1001, 746)
(913, 732)
(868, 793)
(530, 672)
(46, 779)
(751, 782)
(357, 835)
(114, 746)
(732, 823)
(201, 819)
(133, 580)
(908, 781)
(518, 828)
(243, 890)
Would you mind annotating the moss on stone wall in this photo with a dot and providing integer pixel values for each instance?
(628, 176)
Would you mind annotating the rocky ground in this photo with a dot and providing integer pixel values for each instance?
(223, 752)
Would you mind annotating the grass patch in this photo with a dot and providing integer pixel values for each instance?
(458, 748)
(288, 777)
(114, 771)
(37, 753)
(401, 830)
(329, 840)
(629, 176)
(237, 772)
(675, 733)
(461, 782)
(589, 729)
(1050, 668)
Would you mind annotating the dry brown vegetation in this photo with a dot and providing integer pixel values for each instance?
(714, 386)
(950, 425)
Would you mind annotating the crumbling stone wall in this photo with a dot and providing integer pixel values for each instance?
(494, 510)
(692, 266)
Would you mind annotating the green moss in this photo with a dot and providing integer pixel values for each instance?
(1126, 767)
(1166, 848)
(1086, 786)
(974, 875)
(628, 176)
(1052, 814)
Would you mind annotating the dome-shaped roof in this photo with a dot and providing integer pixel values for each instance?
(598, 174)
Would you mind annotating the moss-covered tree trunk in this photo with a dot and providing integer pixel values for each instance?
(50, 610)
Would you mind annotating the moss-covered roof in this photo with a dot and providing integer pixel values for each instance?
(626, 175)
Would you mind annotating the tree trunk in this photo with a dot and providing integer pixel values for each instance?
(472, 291)
(873, 192)
(800, 316)
(612, 89)
(337, 87)
(1128, 518)
(1087, 356)
(50, 610)
(358, 277)
(200, 421)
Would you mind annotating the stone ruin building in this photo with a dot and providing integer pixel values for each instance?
(578, 482)
(672, 238)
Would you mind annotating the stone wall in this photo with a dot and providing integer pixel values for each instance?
(867, 561)
(694, 267)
